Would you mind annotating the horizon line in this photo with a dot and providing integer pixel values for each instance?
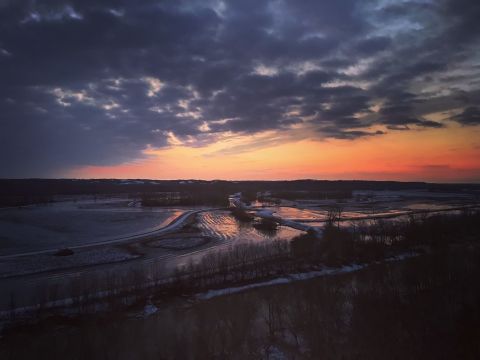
(249, 180)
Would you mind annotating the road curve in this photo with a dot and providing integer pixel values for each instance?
(174, 225)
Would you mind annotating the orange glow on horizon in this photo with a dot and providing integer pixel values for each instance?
(435, 155)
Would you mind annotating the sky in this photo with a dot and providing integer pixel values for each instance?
(240, 89)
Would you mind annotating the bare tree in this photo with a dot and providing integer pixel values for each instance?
(334, 215)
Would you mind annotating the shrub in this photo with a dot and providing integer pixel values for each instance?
(336, 246)
(266, 225)
(304, 246)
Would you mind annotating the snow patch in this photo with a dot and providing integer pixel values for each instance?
(149, 309)
(297, 277)
(274, 353)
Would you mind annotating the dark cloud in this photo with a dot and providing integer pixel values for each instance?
(349, 134)
(469, 116)
(370, 46)
(86, 82)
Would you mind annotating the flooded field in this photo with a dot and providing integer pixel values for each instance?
(71, 223)
(368, 205)
(91, 227)
(32, 230)
(83, 221)
(223, 226)
(293, 213)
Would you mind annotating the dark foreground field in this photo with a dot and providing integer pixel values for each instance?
(414, 294)
(426, 307)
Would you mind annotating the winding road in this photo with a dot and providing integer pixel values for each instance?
(25, 285)
(176, 224)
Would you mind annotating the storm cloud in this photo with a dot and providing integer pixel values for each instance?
(97, 82)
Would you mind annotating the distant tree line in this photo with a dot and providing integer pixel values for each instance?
(316, 195)
(50, 187)
(209, 198)
(23, 200)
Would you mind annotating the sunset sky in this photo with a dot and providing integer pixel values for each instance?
(244, 89)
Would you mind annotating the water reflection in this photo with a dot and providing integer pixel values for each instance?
(223, 226)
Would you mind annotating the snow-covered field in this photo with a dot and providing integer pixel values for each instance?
(179, 243)
(312, 213)
(86, 221)
(217, 230)
(72, 223)
(366, 204)
(32, 264)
